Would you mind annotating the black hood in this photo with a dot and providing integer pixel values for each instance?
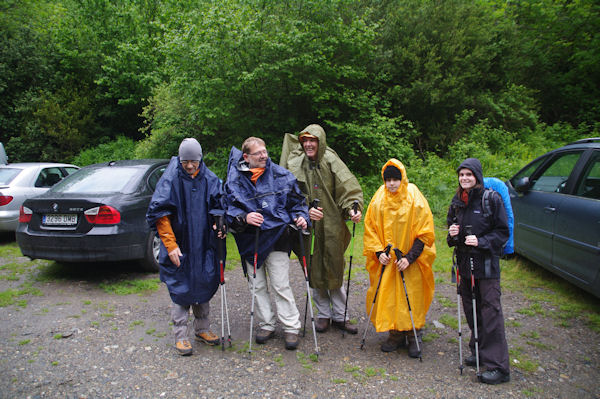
(474, 166)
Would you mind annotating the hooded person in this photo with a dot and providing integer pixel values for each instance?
(399, 215)
(479, 237)
(324, 176)
(186, 194)
(263, 195)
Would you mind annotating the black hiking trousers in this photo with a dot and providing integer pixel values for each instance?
(493, 350)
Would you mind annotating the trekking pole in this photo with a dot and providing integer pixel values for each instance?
(313, 204)
(400, 255)
(221, 227)
(387, 252)
(303, 256)
(456, 279)
(469, 232)
(355, 209)
(256, 236)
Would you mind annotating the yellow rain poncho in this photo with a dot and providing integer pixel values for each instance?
(398, 219)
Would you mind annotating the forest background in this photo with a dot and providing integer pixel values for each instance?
(429, 82)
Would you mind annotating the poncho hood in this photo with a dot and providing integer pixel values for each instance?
(474, 165)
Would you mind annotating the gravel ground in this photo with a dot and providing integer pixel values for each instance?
(76, 340)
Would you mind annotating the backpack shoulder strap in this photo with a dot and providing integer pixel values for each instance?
(485, 202)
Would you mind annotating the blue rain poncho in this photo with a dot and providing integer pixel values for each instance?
(188, 202)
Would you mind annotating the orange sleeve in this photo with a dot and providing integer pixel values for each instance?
(165, 232)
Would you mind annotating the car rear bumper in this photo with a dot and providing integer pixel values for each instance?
(82, 248)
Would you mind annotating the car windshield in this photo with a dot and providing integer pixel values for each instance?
(110, 179)
(8, 174)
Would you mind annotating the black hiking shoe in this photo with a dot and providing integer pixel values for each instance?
(494, 377)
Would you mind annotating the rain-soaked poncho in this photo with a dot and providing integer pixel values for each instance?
(276, 195)
(399, 219)
(329, 180)
(188, 201)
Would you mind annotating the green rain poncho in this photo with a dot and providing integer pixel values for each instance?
(329, 180)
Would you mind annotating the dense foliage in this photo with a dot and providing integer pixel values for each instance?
(426, 81)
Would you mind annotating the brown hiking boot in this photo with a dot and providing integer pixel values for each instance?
(349, 328)
(263, 336)
(208, 338)
(395, 341)
(184, 348)
(291, 340)
(322, 325)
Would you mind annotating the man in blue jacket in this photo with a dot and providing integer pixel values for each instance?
(263, 195)
(179, 210)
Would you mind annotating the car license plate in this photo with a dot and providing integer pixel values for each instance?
(59, 220)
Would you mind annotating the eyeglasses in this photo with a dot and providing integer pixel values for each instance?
(186, 163)
(258, 153)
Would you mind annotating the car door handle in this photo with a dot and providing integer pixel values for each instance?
(549, 209)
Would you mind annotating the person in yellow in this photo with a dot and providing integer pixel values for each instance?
(399, 215)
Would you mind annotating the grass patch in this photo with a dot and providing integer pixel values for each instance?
(12, 296)
(430, 337)
(24, 342)
(86, 302)
(521, 360)
(351, 369)
(450, 321)
(302, 358)
(513, 323)
(10, 250)
(279, 360)
(338, 380)
(128, 287)
(445, 302)
(531, 335)
(540, 345)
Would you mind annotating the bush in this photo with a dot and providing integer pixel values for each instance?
(121, 148)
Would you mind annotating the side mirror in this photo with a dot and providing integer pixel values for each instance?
(522, 185)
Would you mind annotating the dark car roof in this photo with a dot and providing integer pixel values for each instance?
(129, 162)
(592, 142)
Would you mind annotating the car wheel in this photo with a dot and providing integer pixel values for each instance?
(150, 261)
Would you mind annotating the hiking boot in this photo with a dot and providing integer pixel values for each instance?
(412, 344)
(184, 348)
(396, 340)
(471, 361)
(494, 377)
(263, 336)
(322, 325)
(208, 338)
(291, 340)
(349, 328)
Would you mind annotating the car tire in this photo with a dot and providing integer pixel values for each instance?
(150, 261)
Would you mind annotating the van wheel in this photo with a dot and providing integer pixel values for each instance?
(150, 261)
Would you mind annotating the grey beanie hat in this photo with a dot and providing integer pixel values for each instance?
(190, 150)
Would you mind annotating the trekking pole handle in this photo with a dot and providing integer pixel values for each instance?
(220, 222)
(355, 206)
(468, 230)
(315, 203)
(399, 254)
(387, 249)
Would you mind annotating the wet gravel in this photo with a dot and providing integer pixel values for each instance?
(76, 340)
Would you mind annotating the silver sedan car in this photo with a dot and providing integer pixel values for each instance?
(20, 181)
